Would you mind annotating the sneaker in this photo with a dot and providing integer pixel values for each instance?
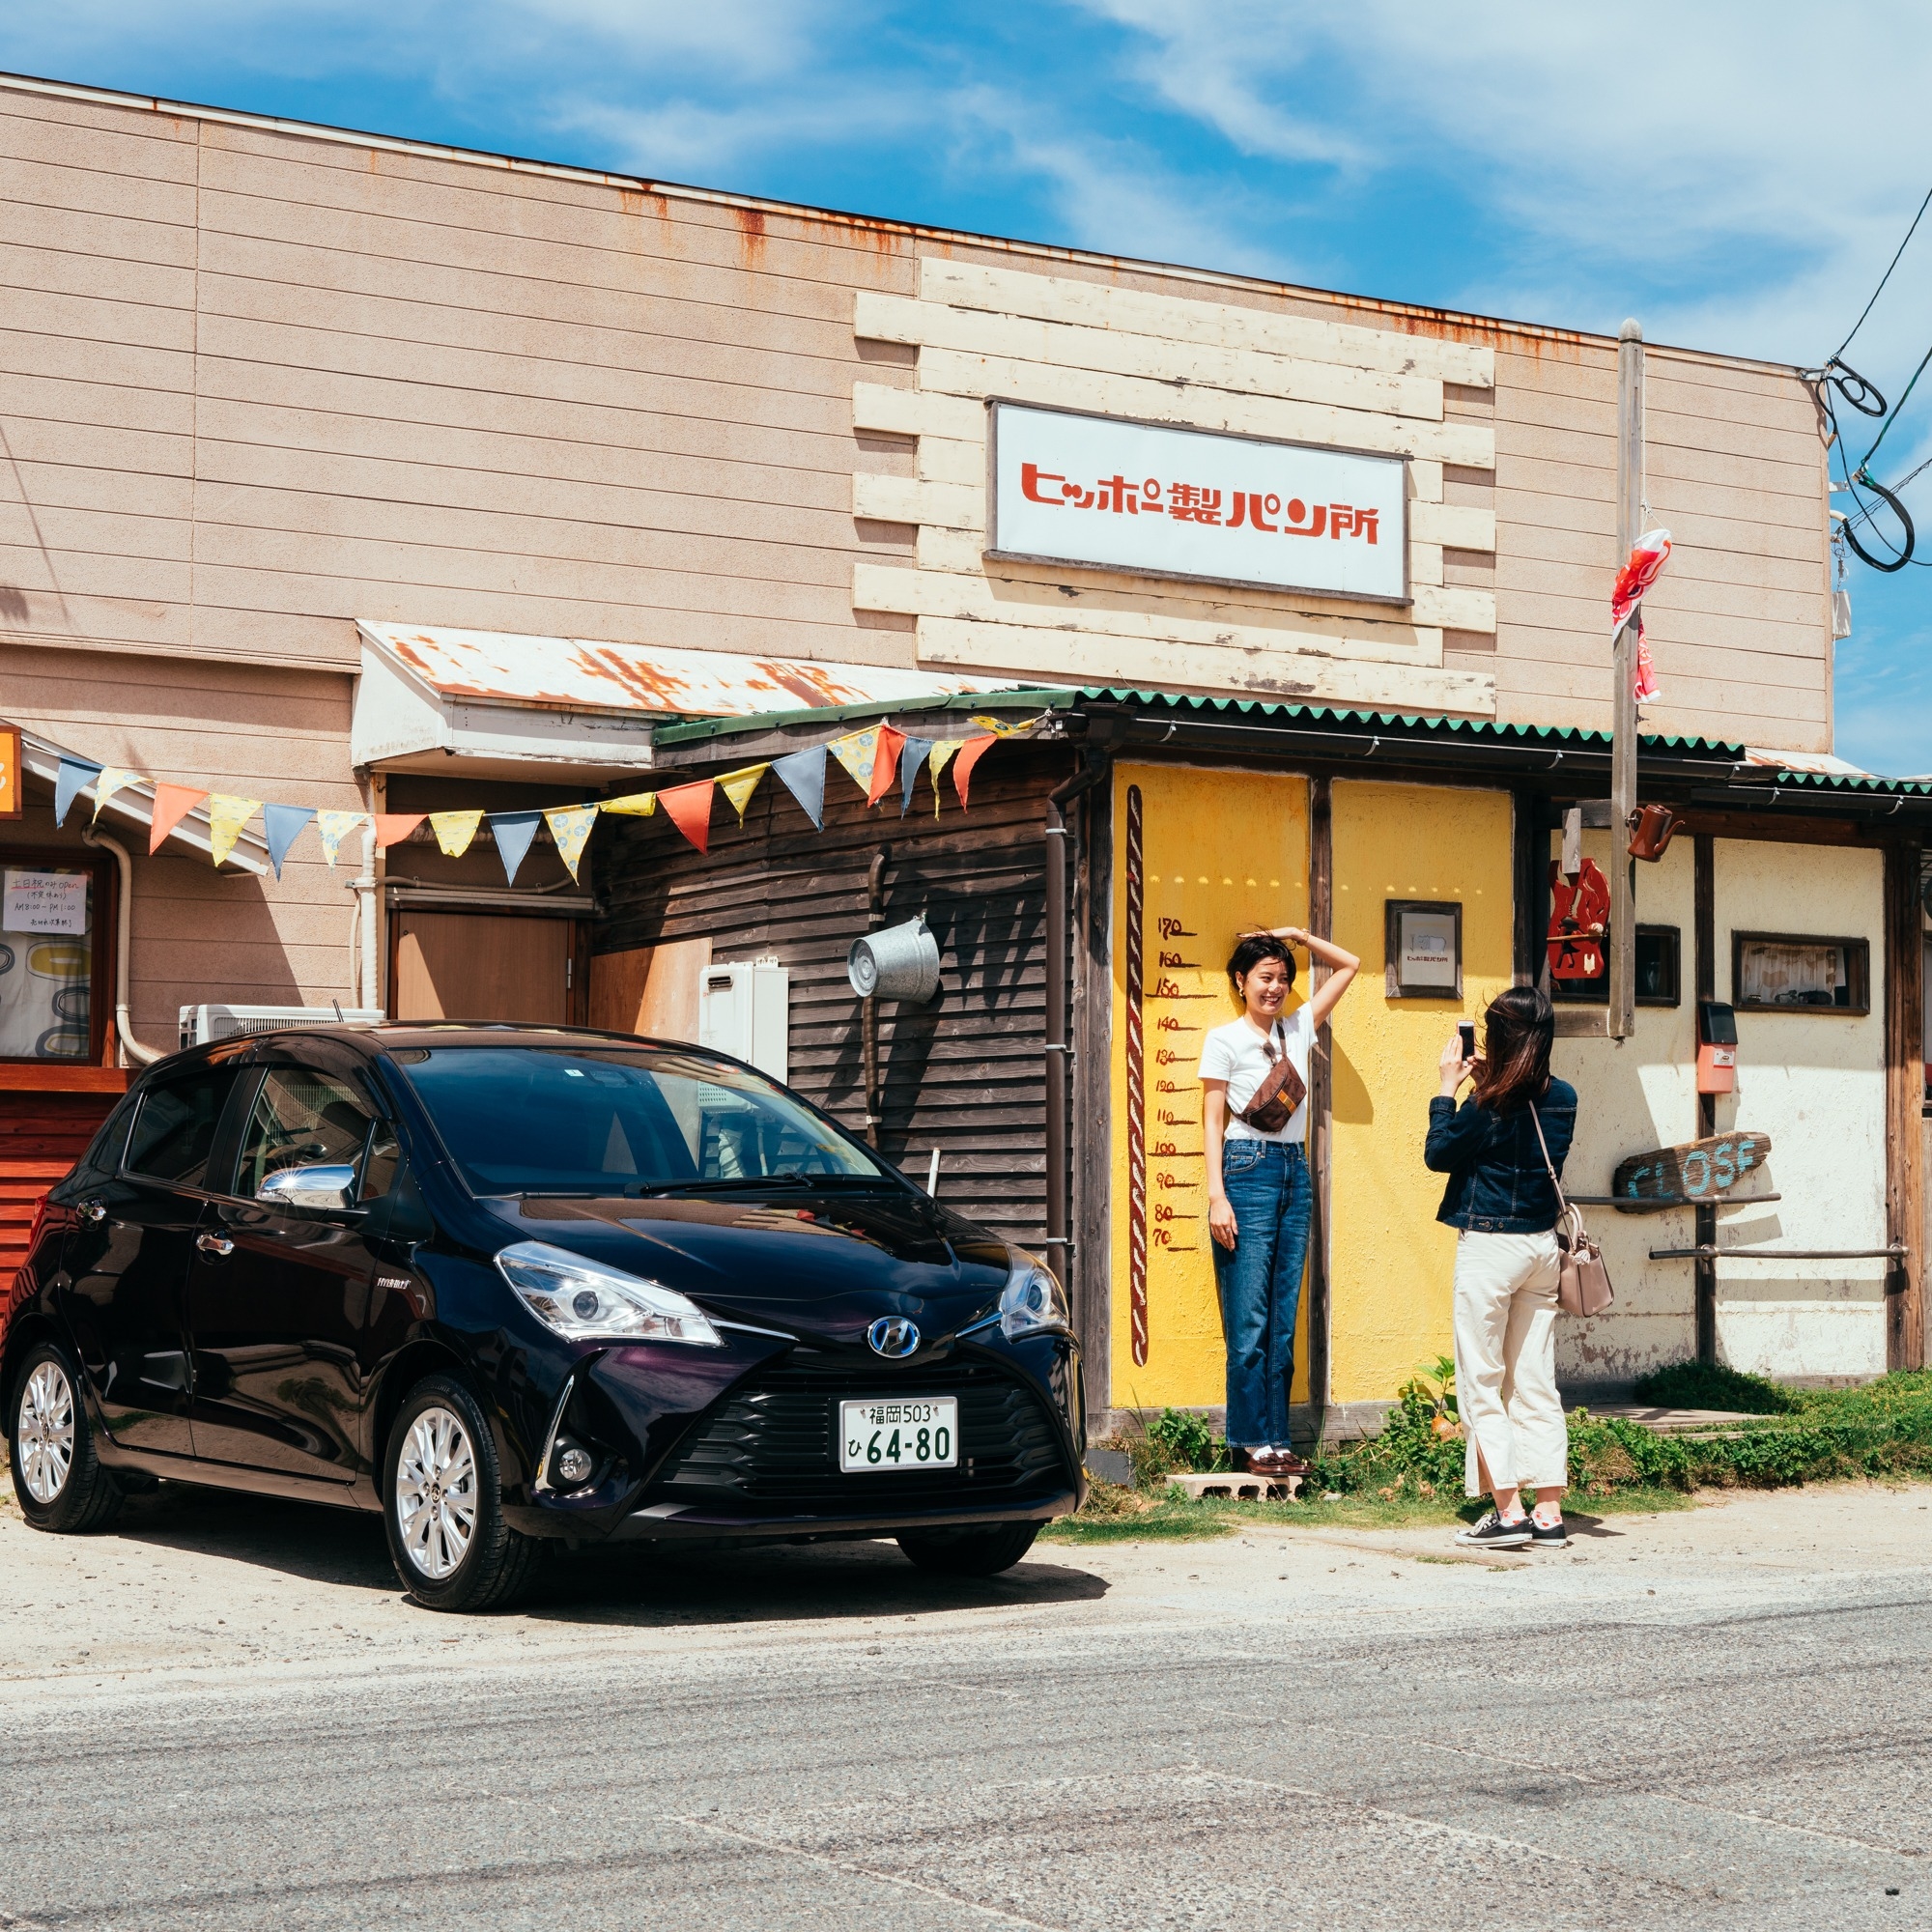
(1549, 1535)
(1490, 1532)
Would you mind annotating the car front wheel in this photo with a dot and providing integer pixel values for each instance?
(443, 1497)
(969, 1552)
(57, 1476)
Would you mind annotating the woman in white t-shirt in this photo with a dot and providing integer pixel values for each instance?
(1260, 1196)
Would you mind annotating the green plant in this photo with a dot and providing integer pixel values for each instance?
(1187, 1440)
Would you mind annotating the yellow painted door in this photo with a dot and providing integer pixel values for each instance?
(1199, 858)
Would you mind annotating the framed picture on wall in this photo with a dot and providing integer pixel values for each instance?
(1423, 948)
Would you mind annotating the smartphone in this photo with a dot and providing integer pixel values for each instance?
(1467, 1029)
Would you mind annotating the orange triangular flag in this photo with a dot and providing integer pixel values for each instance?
(689, 809)
(171, 803)
(885, 763)
(970, 755)
(393, 827)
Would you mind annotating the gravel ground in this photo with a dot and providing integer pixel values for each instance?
(223, 1714)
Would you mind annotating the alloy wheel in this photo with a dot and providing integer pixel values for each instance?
(436, 1492)
(46, 1432)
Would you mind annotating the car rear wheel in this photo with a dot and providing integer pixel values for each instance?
(57, 1476)
(969, 1552)
(443, 1497)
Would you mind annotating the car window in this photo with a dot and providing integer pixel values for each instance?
(174, 1130)
(301, 1119)
(596, 1120)
(104, 1152)
(380, 1164)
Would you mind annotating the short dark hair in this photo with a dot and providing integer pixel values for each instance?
(1250, 949)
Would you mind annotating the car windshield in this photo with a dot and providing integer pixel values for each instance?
(610, 1120)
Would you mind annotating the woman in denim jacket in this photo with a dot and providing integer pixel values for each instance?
(1502, 1199)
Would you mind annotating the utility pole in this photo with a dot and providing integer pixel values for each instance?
(1622, 1019)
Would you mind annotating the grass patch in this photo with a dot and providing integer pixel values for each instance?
(1412, 1473)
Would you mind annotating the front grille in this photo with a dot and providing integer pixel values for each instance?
(774, 1441)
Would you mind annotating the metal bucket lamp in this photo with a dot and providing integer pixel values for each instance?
(901, 962)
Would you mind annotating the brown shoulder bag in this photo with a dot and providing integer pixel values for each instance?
(1583, 1281)
(1281, 1091)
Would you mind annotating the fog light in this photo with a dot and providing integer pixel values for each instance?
(573, 1465)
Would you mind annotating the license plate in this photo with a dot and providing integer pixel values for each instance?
(916, 1432)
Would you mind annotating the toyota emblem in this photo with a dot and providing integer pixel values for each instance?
(893, 1336)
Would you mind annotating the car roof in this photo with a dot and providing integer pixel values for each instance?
(389, 1037)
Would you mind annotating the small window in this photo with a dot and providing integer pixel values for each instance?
(174, 1132)
(47, 962)
(1800, 972)
(104, 1153)
(379, 1167)
(1659, 976)
(301, 1119)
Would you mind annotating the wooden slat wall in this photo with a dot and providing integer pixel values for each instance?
(963, 1074)
(42, 1135)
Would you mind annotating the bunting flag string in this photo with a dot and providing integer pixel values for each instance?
(226, 816)
(570, 826)
(738, 787)
(875, 758)
(282, 825)
(454, 831)
(803, 775)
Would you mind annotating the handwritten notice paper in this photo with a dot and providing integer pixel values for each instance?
(44, 901)
(1698, 1171)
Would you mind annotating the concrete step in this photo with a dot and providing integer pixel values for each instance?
(1229, 1483)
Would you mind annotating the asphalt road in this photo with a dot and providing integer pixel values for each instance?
(222, 1715)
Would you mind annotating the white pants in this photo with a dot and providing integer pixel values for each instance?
(1506, 1360)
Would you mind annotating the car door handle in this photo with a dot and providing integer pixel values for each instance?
(93, 1210)
(215, 1244)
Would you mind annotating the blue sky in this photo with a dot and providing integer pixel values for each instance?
(1708, 169)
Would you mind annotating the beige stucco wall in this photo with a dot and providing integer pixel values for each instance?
(259, 382)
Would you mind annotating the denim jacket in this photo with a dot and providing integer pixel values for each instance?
(1497, 1181)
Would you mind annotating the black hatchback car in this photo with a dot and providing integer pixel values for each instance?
(505, 1284)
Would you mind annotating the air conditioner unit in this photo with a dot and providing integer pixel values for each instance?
(744, 1009)
(199, 1024)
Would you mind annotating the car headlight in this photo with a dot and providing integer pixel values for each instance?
(589, 1302)
(1033, 1301)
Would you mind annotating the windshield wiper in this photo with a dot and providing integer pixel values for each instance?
(745, 1182)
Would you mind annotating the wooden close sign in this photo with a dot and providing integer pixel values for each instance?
(1698, 1171)
(13, 800)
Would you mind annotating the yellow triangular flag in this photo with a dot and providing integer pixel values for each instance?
(570, 826)
(454, 829)
(635, 805)
(334, 827)
(1002, 730)
(738, 787)
(936, 761)
(855, 751)
(112, 779)
(226, 816)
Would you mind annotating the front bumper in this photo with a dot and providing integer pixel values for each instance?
(675, 1522)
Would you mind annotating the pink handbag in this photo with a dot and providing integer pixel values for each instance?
(1583, 1281)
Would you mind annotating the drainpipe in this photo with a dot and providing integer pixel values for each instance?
(1059, 1048)
(868, 1024)
(364, 889)
(131, 1049)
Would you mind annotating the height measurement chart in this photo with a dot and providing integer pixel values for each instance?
(1205, 856)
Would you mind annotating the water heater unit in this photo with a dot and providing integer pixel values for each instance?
(744, 1009)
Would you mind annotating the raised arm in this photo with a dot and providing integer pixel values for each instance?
(1342, 967)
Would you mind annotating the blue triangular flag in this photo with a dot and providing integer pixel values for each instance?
(75, 777)
(912, 755)
(513, 832)
(283, 825)
(803, 775)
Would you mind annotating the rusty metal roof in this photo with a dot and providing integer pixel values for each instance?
(577, 674)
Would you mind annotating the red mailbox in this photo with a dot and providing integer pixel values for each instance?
(1717, 1047)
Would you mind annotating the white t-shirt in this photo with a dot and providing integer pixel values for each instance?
(1236, 1052)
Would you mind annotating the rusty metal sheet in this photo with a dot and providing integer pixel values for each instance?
(575, 674)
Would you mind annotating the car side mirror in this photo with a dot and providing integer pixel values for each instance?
(330, 1187)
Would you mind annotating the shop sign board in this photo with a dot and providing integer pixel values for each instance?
(1153, 500)
(1698, 1171)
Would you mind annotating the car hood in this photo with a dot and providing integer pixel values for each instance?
(826, 1262)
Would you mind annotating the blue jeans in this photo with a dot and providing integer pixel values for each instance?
(1270, 1189)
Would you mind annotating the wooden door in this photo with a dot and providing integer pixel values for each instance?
(481, 966)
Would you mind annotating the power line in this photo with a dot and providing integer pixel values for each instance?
(1887, 276)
